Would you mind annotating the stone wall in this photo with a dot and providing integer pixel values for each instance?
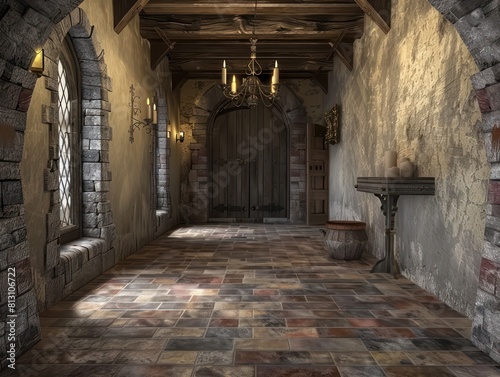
(410, 91)
(478, 23)
(23, 29)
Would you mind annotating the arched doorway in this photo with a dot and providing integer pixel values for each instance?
(248, 164)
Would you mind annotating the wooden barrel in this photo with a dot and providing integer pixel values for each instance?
(346, 239)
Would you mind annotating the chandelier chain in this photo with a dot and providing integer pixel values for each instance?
(251, 88)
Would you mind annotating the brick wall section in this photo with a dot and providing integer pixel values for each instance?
(478, 23)
(198, 179)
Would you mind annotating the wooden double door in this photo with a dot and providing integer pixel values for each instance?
(248, 178)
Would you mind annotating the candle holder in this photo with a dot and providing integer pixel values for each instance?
(148, 123)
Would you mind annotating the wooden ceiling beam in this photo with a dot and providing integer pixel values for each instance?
(124, 11)
(379, 11)
(181, 7)
(345, 52)
(235, 36)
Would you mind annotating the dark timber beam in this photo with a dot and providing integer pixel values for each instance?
(124, 11)
(379, 11)
(181, 7)
(345, 51)
(157, 52)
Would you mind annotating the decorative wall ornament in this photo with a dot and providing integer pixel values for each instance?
(151, 119)
(332, 126)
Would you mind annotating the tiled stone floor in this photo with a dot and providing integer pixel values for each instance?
(251, 301)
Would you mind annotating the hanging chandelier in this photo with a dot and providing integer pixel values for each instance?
(252, 89)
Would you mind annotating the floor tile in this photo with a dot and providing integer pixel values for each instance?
(251, 300)
(282, 371)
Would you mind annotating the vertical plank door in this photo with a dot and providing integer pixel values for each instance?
(317, 175)
(248, 165)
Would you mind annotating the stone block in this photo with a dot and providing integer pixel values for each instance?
(488, 275)
(96, 132)
(90, 207)
(11, 224)
(96, 104)
(102, 186)
(53, 226)
(490, 120)
(93, 171)
(51, 84)
(89, 220)
(12, 193)
(88, 186)
(11, 210)
(11, 149)
(48, 114)
(19, 235)
(486, 77)
(9, 94)
(494, 192)
(91, 232)
(52, 254)
(24, 281)
(105, 219)
(108, 233)
(23, 77)
(489, 98)
(103, 207)
(491, 252)
(91, 155)
(94, 93)
(50, 180)
(104, 156)
(99, 144)
(6, 241)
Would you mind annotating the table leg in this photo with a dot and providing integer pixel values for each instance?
(389, 208)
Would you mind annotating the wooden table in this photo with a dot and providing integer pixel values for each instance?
(388, 190)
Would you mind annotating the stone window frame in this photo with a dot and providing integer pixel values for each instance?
(162, 156)
(75, 263)
(162, 163)
(68, 61)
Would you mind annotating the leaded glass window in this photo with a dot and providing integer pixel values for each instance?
(69, 143)
(65, 179)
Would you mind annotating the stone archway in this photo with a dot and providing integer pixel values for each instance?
(25, 29)
(196, 190)
(478, 23)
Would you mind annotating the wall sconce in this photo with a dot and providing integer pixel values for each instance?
(38, 65)
(180, 138)
(149, 122)
(169, 134)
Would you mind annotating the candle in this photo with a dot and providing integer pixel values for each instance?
(390, 159)
(233, 85)
(155, 114)
(149, 109)
(224, 73)
(276, 73)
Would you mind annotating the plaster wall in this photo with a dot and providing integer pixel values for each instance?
(36, 200)
(410, 91)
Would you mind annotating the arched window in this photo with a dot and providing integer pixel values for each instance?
(69, 143)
